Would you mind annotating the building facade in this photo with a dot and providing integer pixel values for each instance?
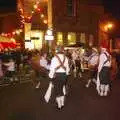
(77, 21)
(71, 21)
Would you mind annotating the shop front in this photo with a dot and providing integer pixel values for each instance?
(6, 42)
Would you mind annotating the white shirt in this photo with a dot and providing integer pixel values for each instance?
(44, 63)
(93, 59)
(55, 63)
(102, 59)
(11, 66)
(74, 55)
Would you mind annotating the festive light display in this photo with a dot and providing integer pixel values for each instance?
(23, 19)
(35, 9)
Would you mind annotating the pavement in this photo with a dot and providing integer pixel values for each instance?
(22, 101)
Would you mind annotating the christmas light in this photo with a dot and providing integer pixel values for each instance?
(17, 32)
(13, 33)
(2, 34)
(38, 9)
(42, 16)
(45, 21)
(20, 30)
(23, 18)
(35, 6)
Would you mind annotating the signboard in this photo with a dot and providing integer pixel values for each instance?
(49, 37)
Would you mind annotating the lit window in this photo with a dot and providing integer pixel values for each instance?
(91, 40)
(59, 38)
(71, 38)
(82, 38)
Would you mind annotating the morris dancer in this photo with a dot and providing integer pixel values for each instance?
(60, 68)
(103, 81)
(44, 66)
(92, 65)
(77, 63)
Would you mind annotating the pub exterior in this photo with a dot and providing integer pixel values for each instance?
(71, 22)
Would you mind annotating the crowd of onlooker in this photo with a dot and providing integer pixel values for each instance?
(12, 59)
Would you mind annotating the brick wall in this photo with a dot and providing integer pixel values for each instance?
(86, 19)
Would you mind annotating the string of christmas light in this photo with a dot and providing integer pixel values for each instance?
(36, 9)
(12, 34)
(23, 19)
(17, 31)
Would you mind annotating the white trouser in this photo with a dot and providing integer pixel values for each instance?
(60, 101)
(104, 90)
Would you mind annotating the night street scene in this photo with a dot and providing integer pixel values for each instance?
(59, 60)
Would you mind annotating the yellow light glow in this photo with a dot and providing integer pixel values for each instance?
(13, 40)
(35, 6)
(49, 32)
(29, 45)
(17, 32)
(42, 16)
(59, 38)
(20, 30)
(22, 16)
(37, 2)
(108, 26)
(13, 32)
(69, 37)
(3, 34)
(21, 10)
(45, 21)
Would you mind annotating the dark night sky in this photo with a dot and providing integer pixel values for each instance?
(7, 5)
(112, 6)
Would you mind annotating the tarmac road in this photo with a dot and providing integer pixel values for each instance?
(23, 102)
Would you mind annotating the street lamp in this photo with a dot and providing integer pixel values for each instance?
(108, 27)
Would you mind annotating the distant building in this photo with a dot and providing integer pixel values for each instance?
(77, 21)
(72, 21)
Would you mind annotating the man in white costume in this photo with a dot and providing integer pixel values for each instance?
(92, 65)
(103, 79)
(59, 69)
(44, 66)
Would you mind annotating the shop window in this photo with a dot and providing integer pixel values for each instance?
(91, 40)
(59, 38)
(71, 38)
(82, 38)
(37, 39)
